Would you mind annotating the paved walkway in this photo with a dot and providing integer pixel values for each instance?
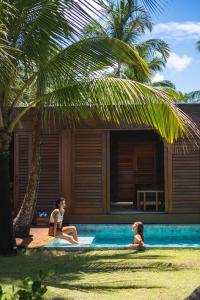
(38, 238)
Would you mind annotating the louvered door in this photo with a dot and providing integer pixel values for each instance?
(146, 166)
(49, 186)
(186, 180)
(126, 171)
(88, 171)
(136, 164)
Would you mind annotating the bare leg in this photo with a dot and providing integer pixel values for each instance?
(71, 229)
(67, 238)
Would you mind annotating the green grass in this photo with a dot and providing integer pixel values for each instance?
(112, 274)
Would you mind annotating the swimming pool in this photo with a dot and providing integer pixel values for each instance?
(120, 235)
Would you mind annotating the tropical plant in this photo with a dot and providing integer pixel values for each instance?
(30, 290)
(194, 96)
(128, 21)
(164, 83)
(36, 61)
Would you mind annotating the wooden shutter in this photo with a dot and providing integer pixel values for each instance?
(146, 164)
(88, 168)
(22, 152)
(186, 181)
(49, 187)
(136, 164)
(126, 171)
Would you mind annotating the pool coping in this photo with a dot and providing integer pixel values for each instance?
(81, 248)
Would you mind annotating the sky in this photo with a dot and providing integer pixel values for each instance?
(179, 26)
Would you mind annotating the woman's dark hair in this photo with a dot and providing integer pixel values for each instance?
(58, 201)
(140, 229)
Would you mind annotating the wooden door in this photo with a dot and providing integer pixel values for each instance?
(88, 172)
(126, 168)
(146, 163)
(136, 165)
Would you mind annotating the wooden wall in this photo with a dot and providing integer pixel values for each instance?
(75, 164)
(49, 187)
(185, 170)
(88, 172)
(186, 181)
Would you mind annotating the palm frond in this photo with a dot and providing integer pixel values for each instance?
(7, 58)
(126, 101)
(154, 47)
(164, 83)
(156, 64)
(155, 6)
(193, 97)
(198, 46)
(88, 56)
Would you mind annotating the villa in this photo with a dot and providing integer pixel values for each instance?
(112, 174)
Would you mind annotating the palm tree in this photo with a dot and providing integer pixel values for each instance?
(33, 47)
(42, 65)
(128, 21)
(155, 53)
(194, 96)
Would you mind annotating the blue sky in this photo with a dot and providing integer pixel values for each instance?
(179, 25)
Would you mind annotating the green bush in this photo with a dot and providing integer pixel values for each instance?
(31, 289)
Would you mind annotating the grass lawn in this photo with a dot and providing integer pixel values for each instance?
(112, 274)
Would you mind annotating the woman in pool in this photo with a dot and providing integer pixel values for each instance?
(56, 224)
(138, 229)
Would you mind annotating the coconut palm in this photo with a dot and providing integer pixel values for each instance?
(155, 53)
(194, 96)
(43, 66)
(35, 60)
(128, 21)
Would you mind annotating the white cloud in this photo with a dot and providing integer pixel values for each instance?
(175, 63)
(179, 30)
(178, 63)
(158, 77)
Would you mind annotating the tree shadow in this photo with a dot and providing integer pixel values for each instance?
(103, 287)
(73, 266)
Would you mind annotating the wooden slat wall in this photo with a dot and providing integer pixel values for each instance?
(88, 172)
(22, 152)
(49, 187)
(186, 181)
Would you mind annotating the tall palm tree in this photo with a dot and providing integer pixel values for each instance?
(155, 53)
(42, 65)
(128, 21)
(35, 61)
(194, 96)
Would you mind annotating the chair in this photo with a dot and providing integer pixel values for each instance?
(149, 195)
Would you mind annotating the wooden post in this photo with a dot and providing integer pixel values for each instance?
(144, 201)
(157, 201)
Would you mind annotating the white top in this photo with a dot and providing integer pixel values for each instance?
(60, 216)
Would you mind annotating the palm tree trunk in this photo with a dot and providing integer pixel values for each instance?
(23, 220)
(6, 223)
(118, 73)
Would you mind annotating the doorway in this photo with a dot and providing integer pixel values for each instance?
(136, 163)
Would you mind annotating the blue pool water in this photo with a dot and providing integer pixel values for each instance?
(120, 235)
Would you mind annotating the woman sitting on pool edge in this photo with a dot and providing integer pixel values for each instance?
(56, 228)
(138, 229)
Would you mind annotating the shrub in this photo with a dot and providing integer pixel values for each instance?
(31, 289)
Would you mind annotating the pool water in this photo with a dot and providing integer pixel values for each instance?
(120, 235)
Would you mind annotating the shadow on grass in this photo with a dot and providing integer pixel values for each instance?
(73, 266)
(102, 288)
